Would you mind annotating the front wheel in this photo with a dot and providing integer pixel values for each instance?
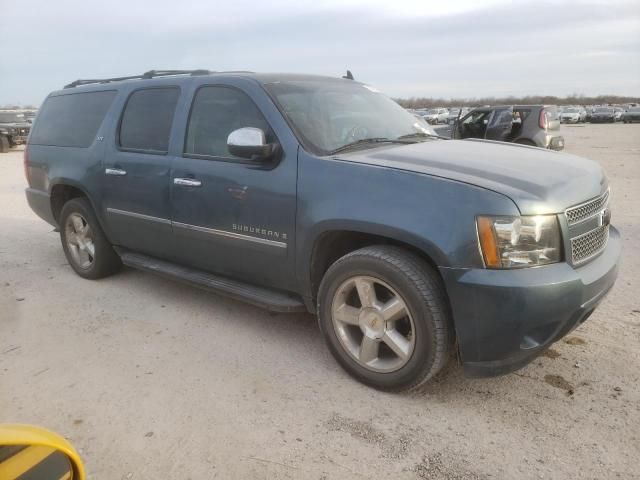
(84, 243)
(384, 315)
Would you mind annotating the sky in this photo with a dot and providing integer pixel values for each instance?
(445, 48)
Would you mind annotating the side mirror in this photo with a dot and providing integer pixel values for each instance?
(251, 143)
(27, 451)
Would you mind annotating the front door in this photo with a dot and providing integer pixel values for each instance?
(136, 172)
(472, 125)
(230, 215)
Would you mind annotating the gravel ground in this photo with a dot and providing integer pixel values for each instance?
(152, 379)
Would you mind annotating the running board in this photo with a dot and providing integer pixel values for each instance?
(272, 300)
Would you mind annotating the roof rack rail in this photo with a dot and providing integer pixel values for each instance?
(145, 75)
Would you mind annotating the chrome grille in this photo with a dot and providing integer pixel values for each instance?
(587, 210)
(585, 246)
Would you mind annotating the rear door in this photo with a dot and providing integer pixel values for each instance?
(136, 172)
(500, 124)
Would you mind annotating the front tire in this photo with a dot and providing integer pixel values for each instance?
(84, 243)
(384, 315)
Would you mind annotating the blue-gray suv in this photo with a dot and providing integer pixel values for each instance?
(305, 193)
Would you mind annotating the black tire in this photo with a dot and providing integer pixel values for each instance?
(423, 293)
(105, 260)
(4, 144)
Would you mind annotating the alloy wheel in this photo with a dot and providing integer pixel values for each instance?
(373, 324)
(79, 238)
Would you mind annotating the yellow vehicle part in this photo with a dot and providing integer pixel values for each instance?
(28, 451)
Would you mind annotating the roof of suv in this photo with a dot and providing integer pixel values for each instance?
(173, 75)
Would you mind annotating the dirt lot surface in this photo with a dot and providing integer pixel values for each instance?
(152, 379)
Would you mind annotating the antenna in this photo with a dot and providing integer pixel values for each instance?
(349, 75)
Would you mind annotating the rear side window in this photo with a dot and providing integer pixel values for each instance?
(147, 118)
(216, 112)
(71, 120)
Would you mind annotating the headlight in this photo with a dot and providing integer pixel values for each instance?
(512, 242)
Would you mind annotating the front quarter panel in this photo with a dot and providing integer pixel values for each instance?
(433, 214)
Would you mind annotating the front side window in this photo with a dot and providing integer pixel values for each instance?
(327, 115)
(216, 112)
(147, 118)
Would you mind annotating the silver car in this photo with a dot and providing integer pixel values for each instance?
(436, 116)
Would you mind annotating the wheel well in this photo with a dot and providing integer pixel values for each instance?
(333, 245)
(61, 194)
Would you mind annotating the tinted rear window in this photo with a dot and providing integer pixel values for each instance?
(71, 120)
(147, 118)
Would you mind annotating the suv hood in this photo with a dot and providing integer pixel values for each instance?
(538, 181)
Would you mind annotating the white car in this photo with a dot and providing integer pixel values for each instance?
(436, 115)
(570, 115)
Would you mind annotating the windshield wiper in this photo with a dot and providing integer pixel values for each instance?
(422, 135)
(364, 141)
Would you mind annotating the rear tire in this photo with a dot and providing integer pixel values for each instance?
(400, 335)
(4, 144)
(84, 243)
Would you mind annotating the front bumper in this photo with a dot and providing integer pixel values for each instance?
(506, 318)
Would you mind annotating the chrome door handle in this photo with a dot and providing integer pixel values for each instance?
(115, 171)
(187, 182)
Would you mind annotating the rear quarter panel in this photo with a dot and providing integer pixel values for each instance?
(50, 165)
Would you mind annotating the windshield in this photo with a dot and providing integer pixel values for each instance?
(603, 110)
(11, 117)
(327, 115)
(433, 111)
(572, 110)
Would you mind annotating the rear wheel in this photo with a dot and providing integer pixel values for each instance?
(4, 144)
(84, 243)
(384, 315)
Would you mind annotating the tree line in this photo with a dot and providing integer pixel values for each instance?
(428, 102)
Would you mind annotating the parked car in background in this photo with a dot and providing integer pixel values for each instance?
(455, 113)
(534, 125)
(436, 116)
(29, 115)
(570, 115)
(603, 115)
(589, 109)
(583, 114)
(631, 115)
(617, 113)
(14, 129)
